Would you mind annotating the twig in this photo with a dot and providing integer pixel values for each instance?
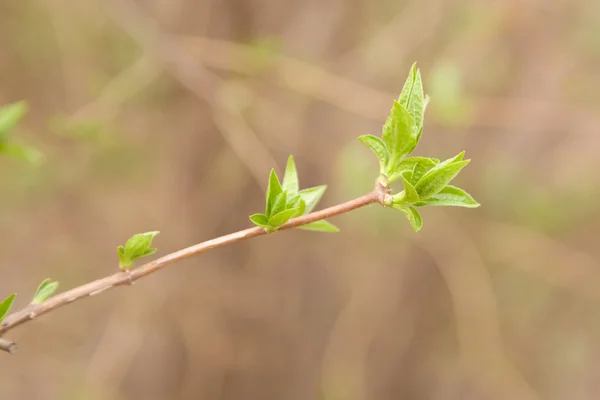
(8, 346)
(195, 77)
(126, 278)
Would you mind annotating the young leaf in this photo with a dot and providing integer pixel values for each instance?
(320, 226)
(408, 195)
(409, 164)
(5, 305)
(136, 247)
(280, 203)
(281, 218)
(290, 179)
(450, 196)
(418, 172)
(260, 220)
(10, 115)
(299, 205)
(407, 175)
(412, 214)
(438, 177)
(412, 96)
(44, 291)
(398, 132)
(378, 147)
(273, 190)
(454, 159)
(312, 196)
(20, 151)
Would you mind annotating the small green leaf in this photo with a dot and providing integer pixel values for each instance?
(149, 252)
(412, 214)
(281, 218)
(10, 115)
(438, 177)
(280, 204)
(320, 226)
(378, 147)
(20, 151)
(454, 159)
(412, 96)
(44, 291)
(297, 203)
(409, 164)
(290, 179)
(312, 196)
(5, 306)
(273, 190)
(408, 195)
(418, 172)
(136, 247)
(399, 133)
(450, 196)
(121, 253)
(260, 220)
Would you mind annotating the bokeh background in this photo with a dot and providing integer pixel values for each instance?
(168, 115)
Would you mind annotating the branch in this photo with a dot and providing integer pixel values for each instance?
(128, 277)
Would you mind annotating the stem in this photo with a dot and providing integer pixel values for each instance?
(128, 277)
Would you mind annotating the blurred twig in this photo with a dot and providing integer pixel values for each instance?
(196, 78)
(127, 278)
(476, 310)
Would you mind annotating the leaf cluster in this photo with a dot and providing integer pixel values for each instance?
(426, 180)
(285, 201)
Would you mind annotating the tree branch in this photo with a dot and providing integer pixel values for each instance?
(127, 278)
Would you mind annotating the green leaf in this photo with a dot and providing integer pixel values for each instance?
(44, 291)
(320, 226)
(450, 196)
(149, 252)
(409, 164)
(280, 204)
(136, 247)
(20, 151)
(10, 115)
(281, 218)
(417, 173)
(454, 159)
(438, 177)
(297, 203)
(398, 132)
(273, 190)
(407, 175)
(412, 96)
(5, 306)
(260, 220)
(412, 214)
(408, 195)
(378, 147)
(312, 196)
(290, 178)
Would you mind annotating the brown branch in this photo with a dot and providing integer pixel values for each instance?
(127, 278)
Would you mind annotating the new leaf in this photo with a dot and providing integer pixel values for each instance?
(44, 291)
(10, 115)
(137, 246)
(5, 306)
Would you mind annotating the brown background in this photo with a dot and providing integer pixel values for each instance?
(168, 114)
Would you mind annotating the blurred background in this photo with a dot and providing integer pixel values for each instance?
(168, 115)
